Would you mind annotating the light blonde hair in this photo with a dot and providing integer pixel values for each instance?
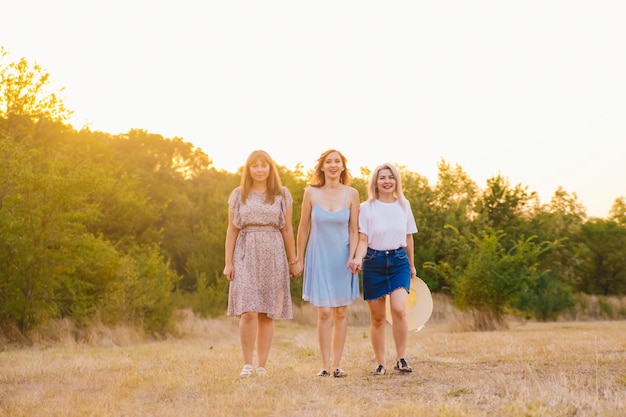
(372, 190)
(274, 185)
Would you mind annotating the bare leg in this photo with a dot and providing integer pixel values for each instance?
(324, 325)
(400, 325)
(264, 338)
(340, 329)
(247, 335)
(377, 328)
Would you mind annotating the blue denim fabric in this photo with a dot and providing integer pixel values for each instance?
(384, 271)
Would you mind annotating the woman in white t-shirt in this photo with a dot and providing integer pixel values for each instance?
(385, 253)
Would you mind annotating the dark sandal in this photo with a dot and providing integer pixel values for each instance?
(339, 373)
(380, 370)
(403, 366)
(323, 372)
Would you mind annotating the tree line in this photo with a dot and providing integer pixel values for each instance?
(127, 228)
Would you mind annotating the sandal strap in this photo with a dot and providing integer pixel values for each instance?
(246, 371)
(403, 366)
(380, 370)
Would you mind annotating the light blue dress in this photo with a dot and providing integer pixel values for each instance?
(327, 280)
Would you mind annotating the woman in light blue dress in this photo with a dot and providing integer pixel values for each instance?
(328, 232)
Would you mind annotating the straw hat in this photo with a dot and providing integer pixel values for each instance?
(419, 305)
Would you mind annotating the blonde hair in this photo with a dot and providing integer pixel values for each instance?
(372, 190)
(274, 185)
(318, 179)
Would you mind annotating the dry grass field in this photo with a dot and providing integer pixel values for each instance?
(531, 369)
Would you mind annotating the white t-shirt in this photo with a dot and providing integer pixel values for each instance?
(386, 224)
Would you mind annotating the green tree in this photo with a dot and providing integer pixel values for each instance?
(149, 294)
(495, 277)
(618, 211)
(25, 91)
(506, 208)
(209, 193)
(603, 264)
(43, 211)
(546, 299)
(451, 205)
(560, 221)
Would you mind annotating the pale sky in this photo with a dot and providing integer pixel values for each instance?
(533, 90)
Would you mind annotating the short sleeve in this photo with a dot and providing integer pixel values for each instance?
(411, 226)
(287, 196)
(233, 204)
(363, 217)
(285, 201)
(234, 199)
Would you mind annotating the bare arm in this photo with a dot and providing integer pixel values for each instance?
(229, 247)
(410, 251)
(361, 250)
(288, 239)
(354, 224)
(304, 228)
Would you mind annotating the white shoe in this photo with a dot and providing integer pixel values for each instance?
(246, 371)
(261, 371)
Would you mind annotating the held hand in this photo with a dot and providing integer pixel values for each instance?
(295, 269)
(354, 265)
(299, 268)
(413, 272)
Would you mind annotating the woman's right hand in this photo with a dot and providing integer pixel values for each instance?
(229, 272)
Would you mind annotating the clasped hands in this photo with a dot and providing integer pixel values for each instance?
(354, 265)
(295, 270)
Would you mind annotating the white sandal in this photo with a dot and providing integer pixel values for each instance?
(261, 371)
(246, 371)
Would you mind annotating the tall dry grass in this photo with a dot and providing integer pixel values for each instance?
(531, 369)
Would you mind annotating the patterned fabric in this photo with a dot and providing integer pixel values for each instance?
(261, 269)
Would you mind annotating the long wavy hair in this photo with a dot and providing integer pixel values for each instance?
(318, 179)
(274, 185)
(372, 190)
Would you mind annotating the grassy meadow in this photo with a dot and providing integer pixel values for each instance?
(574, 368)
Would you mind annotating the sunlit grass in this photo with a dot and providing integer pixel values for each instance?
(532, 369)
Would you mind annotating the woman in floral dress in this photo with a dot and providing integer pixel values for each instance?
(259, 242)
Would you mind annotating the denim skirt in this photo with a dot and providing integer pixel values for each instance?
(384, 271)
